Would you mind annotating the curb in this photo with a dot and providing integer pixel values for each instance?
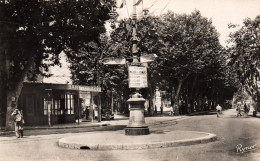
(65, 127)
(3, 133)
(198, 113)
(64, 143)
(6, 133)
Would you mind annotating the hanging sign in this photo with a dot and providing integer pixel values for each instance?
(148, 58)
(137, 76)
(114, 61)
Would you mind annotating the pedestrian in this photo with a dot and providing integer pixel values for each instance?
(87, 112)
(161, 110)
(239, 110)
(246, 110)
(18, 122)
(219, 109)
(171, 111)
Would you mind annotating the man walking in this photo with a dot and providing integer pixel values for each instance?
(18, 123)
(219, 109)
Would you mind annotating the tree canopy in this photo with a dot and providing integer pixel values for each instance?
(187, 47)
(33, 31)
(243, 60)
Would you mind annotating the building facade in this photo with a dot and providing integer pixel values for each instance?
(44, 103)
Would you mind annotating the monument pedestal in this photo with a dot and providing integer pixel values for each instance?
(136, 124)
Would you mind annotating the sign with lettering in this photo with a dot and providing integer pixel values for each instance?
(137, 76)
(148, 58)
(71, 87)
(85, 88)
(114, 61)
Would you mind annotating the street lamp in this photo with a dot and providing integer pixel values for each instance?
(137, 75)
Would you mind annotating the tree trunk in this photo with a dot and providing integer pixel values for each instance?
(112, 102)
(3, 86)
(176, 99)
(172, 95)
(257, 92)
(192, 93)
(11, 105)
(151, 103)
(13, 94)
(12, 102)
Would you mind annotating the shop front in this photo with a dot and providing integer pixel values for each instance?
(49, 104)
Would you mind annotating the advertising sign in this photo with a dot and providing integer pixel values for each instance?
(137, 76)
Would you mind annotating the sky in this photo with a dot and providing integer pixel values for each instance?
(61, 75)
(221, 12)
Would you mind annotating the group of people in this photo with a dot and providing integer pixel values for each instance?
(161, 109)
(246, 109)
(239, 109)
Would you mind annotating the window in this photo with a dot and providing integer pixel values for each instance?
(46, 104)
(69, 98)
(45, 107)
(62, 105)
(56, 109)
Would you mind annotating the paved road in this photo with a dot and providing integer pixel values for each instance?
(231, 131)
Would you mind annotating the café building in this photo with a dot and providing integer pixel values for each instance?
(43, 103)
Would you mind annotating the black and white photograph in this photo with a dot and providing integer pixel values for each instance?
(129, 80)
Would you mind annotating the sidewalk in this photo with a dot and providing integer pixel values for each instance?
(119, 120)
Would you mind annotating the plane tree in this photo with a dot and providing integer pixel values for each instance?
(33, 34)
(244, 56)
(87, 68)
(190, 45)
(185, 44)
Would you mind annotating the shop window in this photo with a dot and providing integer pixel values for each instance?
(60, 106)
(69, 108)
(56, 109)
(46, 104)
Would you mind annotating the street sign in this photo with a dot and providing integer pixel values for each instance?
(148, 58)
(137, 76)
(114, 61)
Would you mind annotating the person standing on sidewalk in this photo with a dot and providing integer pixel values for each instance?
(239, 110)
(219, 109)
(18, 123)
(171, 111)
(246, 110)
(161, 110)
(155, 110)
